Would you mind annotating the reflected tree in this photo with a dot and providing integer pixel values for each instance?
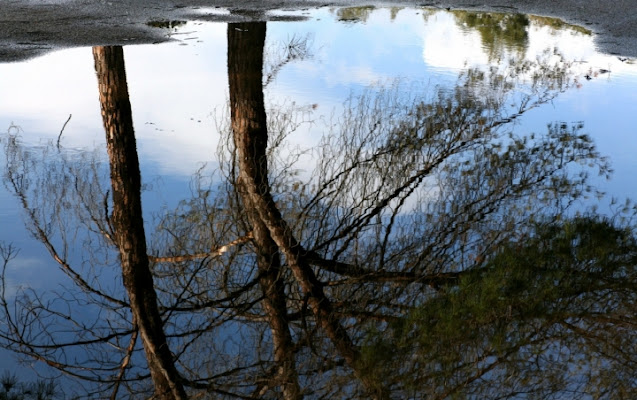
(498, 31)
(354, 14)
(245, 75)
(428, 253)
(546, 316)
(126, 219)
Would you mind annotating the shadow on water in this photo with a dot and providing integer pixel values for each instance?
(423, 245)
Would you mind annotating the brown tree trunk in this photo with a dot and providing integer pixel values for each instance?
(249, 125)
(273, 287)
(245, 69)
(127, 219)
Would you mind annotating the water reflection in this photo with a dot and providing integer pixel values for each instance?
(426, 249)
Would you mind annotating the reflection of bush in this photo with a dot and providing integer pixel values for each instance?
(498, 31)
(354, 14)
(361, 14)
(493, 314)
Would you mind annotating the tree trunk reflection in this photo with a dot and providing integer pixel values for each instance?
(127, 221)
(249, 127)
(245, 75)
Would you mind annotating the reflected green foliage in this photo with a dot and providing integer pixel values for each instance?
(354, 14)
(498, 31)
(394, 12)
(550, 314)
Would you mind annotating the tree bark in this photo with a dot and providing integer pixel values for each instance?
(245, 71)
(127, 219)
(249, 126)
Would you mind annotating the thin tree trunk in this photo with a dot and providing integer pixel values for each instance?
(245, 69)
(249, 127)
(127, 219)
(273, 287)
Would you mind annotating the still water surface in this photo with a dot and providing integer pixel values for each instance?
(179, 94)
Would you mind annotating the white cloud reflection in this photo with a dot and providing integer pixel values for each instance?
(447, 47)
(177, 88)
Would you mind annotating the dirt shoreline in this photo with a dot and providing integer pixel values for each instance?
(29, 28)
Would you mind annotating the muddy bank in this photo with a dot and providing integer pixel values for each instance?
(31, 27)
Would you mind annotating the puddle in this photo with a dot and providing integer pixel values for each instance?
(542, 71)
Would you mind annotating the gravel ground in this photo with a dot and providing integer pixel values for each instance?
(31, 27)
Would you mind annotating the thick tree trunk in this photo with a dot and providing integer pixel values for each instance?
(245, 70)
(250, 138)
(127, 219)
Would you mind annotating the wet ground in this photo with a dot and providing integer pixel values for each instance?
(32, 27)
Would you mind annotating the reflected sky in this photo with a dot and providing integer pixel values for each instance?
(179, 89)
(179, 92)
